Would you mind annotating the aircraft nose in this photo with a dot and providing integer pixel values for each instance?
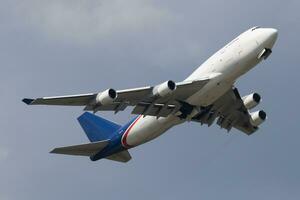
(270, 37)
(273, 33)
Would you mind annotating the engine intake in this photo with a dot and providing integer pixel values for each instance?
(164, 89)
(258, 117)
(251, 100)
(106, 97)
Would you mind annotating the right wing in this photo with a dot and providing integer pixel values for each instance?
(230, 111)
(141, 98)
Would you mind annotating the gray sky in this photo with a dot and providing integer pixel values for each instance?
(67, 47)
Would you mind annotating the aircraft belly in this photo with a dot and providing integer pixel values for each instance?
(148, 128)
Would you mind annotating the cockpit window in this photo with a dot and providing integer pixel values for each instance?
(256, 27)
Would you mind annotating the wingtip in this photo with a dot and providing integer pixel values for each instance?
(27, 101)
(53, 150)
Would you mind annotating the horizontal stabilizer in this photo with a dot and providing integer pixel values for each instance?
(122, 156)
(82, 149)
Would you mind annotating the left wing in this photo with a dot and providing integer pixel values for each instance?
(68, 100)
(145, 99)
(230, 111)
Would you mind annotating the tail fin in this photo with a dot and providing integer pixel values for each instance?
(97, 128)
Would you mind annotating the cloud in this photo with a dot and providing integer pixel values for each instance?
(89, 21)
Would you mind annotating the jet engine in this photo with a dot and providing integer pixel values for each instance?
(251, 100)
(164, 89)
(258, 117)
(106, 97)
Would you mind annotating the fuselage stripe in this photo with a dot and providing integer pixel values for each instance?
(124, 142)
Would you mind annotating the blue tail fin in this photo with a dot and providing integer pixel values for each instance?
(97, 128)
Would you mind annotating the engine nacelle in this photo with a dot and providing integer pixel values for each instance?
(251, 100)
(106, 97)
(258, 117)
(164, 89)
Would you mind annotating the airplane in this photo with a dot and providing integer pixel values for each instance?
(207, 95)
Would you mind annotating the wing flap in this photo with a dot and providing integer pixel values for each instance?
(82, 149)
(163, 110)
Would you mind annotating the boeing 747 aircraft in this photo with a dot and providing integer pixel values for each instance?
(207, 95)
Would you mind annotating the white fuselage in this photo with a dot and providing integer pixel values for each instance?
(223, 69)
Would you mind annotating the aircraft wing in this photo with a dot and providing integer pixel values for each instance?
(230, 111)
(142, 99)
(68, 100)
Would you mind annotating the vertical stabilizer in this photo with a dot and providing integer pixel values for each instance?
(97, 128)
